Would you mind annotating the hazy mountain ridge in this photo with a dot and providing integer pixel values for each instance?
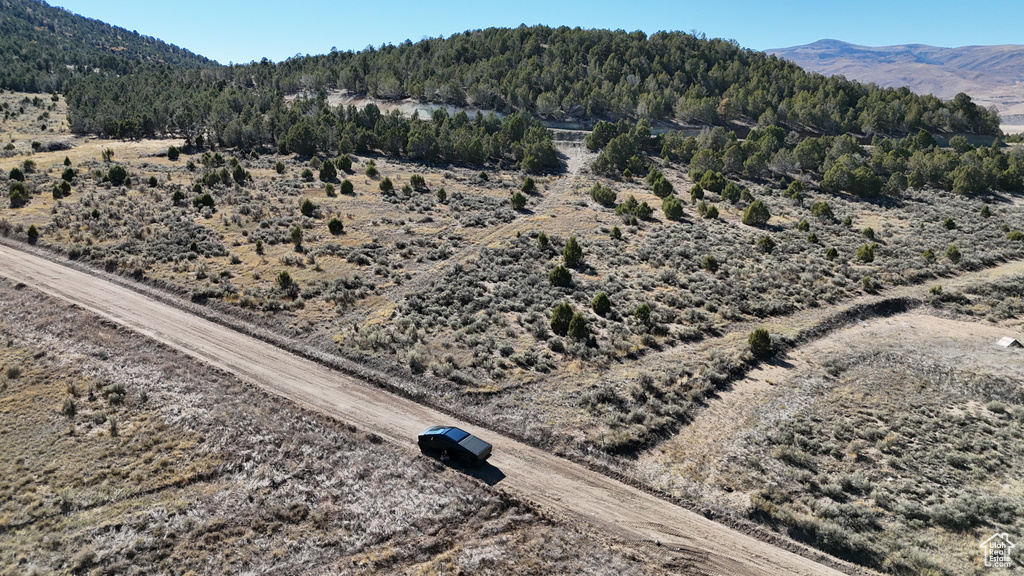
(991, 75)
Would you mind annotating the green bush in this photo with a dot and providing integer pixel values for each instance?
(529, 186)
(308, 208)
(284, 280)
(615, 234)
(712, 212)
(347, 187)
(518, 200)
(418, 182)
(868, 233)
(328, 172)
(831, 253)
(601, 304)
(572, 254)
(68, 175)
(709, 263)
(578, 327)
(336, 226)
(696, 193)
(344, 163)
(173, 153)
(542, 240)
(766, 244)
(642, 313)
(866, 253)
(442, 195)
(307, 175)
(822, 211)
(371, 169)
(949, 224)
(560, 276)
(1015, 235)
(32, 233)
(386, 186)
(713, 181)
(603, 195)
(760, 342)
(16, 174)
(117, 175)
(662, 188)
(560, 318)
(756, 214)
(279, 167)
(672, 208)
(803, 226)
(953, 253)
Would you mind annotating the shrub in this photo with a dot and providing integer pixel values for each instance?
(731, 193)
(713, 181)
(985, 211)
(766, 244)
(529, 186)
(868, 233)
(866, 253)
(642, 313)
(578, 327)
(572, 253)
(16, 174)
(336, 226)
(518, 200)
(709, 263)
(173, 153)
(307, 175)
(117, 175)
(560, 318)
(329, 189)
(308, 208)
(418, 182)
(831, 253)
(68, 175)
(542, 240)
(371, 169)
(259, 247)
(560, 276)
(483, 176)
(949, 224)
(284, 280)
(296, 237)
(601, 304)
(386, 186)
(328, 172)
(603, 195)
(672, 208)
(953, 253)
(32, 233)
(344, 163)
(712, 212)
(615, 234)
(279, 167)
(205, 201)
(442, 195)
(803, 226)
(822, 211)
(18, 196)
(1015, 235)
(347, 187)
(756, 214)
(153, 183)
(760, 342)
(662, 188)
(696, 193)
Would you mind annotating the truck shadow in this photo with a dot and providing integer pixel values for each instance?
(484, 472)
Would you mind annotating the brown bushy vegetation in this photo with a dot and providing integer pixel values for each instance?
(175, 490)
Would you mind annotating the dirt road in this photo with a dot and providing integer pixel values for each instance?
(692, 542)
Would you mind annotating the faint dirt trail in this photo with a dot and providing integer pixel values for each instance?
(692, 542)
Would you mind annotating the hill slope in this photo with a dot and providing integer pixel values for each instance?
(42, 47)
(992, 75)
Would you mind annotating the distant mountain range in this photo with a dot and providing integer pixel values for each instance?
(991, 75)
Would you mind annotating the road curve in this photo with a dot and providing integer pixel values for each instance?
(555, 484)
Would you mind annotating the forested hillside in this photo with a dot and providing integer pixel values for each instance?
(591, 74)
(42, 48)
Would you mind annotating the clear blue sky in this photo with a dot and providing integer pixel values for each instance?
(237, 31)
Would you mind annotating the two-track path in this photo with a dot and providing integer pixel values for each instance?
(699, 545)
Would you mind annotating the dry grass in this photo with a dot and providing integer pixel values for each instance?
(207, 476)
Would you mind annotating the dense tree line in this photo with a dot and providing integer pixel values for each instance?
(838, 163)
(593, 74)
(205, 109)
(42, 48)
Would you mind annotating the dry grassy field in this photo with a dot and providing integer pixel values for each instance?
(450, 290)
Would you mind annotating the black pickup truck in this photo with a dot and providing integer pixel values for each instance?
(454, 443)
